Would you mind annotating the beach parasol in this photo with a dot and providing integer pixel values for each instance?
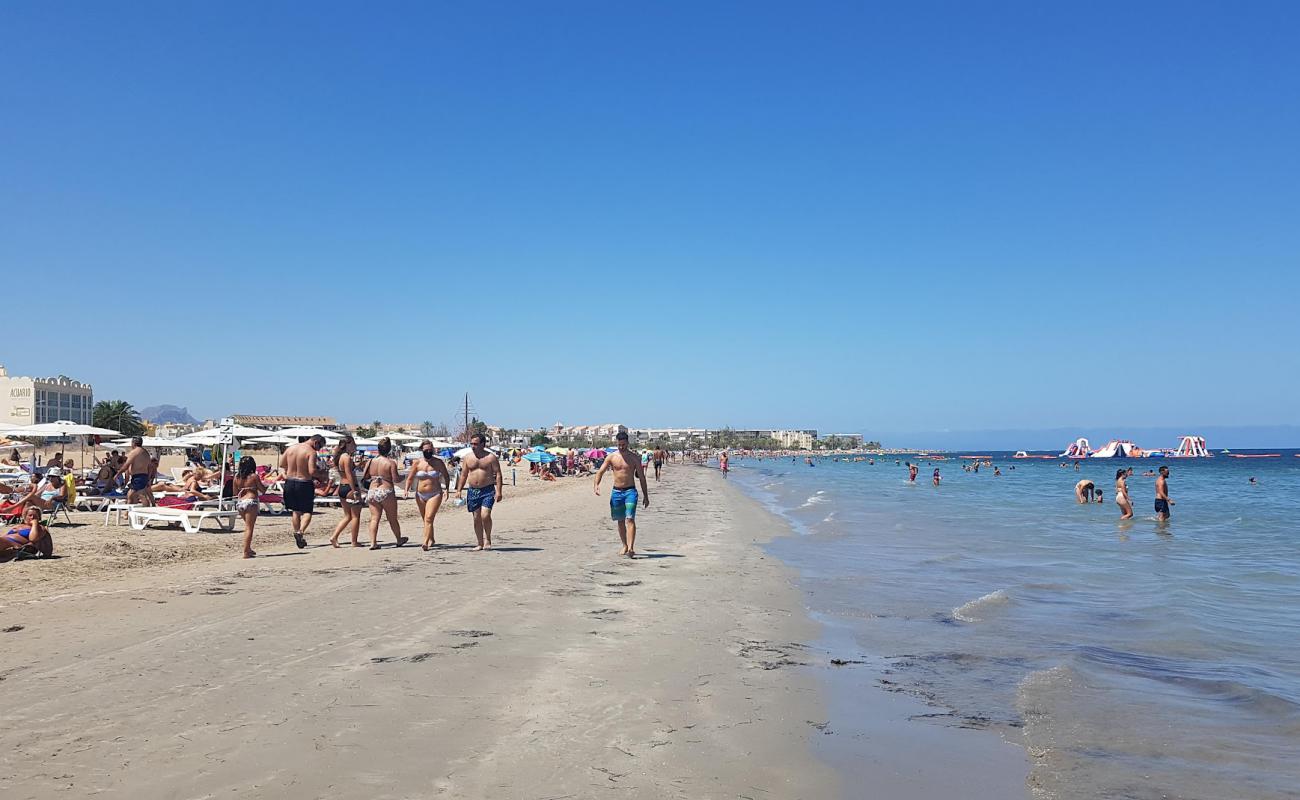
(400, 437)
(596, 452)
(275, 438)
(539, 456)
(558, 451)
(153, 441)
(304, 432)
(62, 427)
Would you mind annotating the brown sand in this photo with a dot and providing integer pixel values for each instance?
(160, 665)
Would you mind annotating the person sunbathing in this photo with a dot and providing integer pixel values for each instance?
(325, 488)
(43, 495)
(12, 460)
(189, 487)
(30, 539)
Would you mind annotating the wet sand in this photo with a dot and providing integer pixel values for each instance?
(159, 664)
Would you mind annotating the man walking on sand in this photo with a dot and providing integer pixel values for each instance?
(627, 468)
(481, 470)
(300, 471)
(660, 457)
(1162, 495)
(137, 468)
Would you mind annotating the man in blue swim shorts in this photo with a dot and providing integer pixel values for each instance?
(628, 469)
(481, 470)
(138, 469)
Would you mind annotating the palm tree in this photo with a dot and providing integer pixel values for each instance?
(118, 415)
(426, 428)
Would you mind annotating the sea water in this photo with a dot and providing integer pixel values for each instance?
(1132, 659)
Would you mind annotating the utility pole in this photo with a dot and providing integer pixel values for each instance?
(467, 430)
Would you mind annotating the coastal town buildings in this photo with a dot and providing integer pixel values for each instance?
(798, 440)
(35, 401)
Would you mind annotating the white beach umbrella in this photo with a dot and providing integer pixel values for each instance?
(275, 438)
(62, 427)
(247, 431)
(154, 441)
(303, 431)
(365, 441)
(200, 438)
(401, 437)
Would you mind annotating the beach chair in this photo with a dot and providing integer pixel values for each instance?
(191, 519)
(56, 508)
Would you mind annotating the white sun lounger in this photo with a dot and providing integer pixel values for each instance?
(141, 516)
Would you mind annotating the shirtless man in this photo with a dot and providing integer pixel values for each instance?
(1084, 490)
(660, 456)
(912, 470)
(1162, 495)
(137, 467)
(481, 470)
(627, 469)
(301, 470)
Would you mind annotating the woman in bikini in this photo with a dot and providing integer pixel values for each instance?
(247, 487)
(1121, 494)
(31, 538)
(382, 494)
(431, 479)
(349, 490)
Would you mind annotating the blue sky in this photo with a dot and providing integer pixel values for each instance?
(850, 216)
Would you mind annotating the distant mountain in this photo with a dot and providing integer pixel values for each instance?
(160, 415)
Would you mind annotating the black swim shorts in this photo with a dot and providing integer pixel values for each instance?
(299, 495)
(1162, 506)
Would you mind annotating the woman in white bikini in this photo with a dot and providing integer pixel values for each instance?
(1121, 494)
(247, 488)
(431, 480)
(349, 490)
(382, 494)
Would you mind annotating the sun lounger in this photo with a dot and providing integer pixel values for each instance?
(190, 519)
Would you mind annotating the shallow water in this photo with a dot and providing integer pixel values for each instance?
(1132, 659)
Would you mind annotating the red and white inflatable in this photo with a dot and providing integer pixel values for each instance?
(1191, 447)
(1079, 449)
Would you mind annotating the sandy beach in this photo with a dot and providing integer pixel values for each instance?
(158, 664)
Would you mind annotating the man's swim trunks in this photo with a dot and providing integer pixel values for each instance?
(1162, 506)
(622, 503)
(299, 495)
(139, 481)
(485, 497)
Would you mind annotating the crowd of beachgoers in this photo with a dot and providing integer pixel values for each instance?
(231, 485)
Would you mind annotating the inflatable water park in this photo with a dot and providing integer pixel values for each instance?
(1188, 447)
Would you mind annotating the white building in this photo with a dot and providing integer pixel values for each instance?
(35, 401)
(799, 440)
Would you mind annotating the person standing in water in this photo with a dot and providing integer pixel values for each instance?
(1162, 495)
(350, 494)
(912, 471)
(1121, 494)
(481, 474)
(1084, 491)
(723, 462)
(936, 476)
(627, 469)
(382, 494)
(300, 472)
(431, 481)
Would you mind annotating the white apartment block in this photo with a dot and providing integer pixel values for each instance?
(35, 401)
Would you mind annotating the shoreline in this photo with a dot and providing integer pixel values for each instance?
(549, 665)
(877, 736)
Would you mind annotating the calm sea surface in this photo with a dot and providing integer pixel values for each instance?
(1132, 660)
